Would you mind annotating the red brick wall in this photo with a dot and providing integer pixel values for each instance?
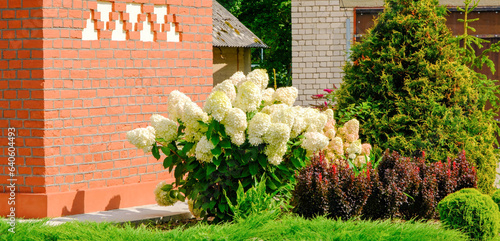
(73, 100)
(21, 96)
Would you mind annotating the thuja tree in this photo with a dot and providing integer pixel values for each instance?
(425, 98)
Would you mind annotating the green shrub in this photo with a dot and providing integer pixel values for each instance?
(496, 197)
(471, 212)
(424, 97)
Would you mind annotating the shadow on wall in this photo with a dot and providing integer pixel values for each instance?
(78, 205)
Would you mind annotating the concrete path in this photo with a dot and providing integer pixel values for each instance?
(137, 214)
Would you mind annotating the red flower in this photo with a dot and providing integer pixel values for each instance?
(318, 96)
(328, 90)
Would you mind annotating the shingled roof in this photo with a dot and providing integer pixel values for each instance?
(228, 31)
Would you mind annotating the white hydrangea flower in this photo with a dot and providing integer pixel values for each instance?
(235, 123)
(164, 128)
(330, 133)
(267, 96)
(275, 160)
(337, 145)
(192, 114)
(286, 95)
(366, 149)
(217, 104)
(259, 77)
(228, 88)
(194, 133)
(277, 133)
(275, 152)
(315, 120)
(284, 115)
(162, 197)
(204, 150)
(142, 138)
(238, 138)
(249, 97)
(352, 127)
(299, 126)
(272, 108)
(257, 127)
(237, 78)
(354, 148)
(329, 114)
(330, 125)
(314, 141)
(351, 137)
(176, 101)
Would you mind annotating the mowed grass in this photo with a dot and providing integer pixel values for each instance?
(259, 227)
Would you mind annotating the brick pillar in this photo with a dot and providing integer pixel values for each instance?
(318, 46)
(76, 76)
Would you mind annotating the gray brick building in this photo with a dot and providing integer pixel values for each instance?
(322, 31)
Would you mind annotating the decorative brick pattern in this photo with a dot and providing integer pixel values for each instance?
(72, 100)
(318, 46)
(122, 21)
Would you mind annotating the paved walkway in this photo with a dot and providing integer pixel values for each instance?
(137, 214)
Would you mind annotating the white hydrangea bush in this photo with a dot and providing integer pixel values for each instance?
(243, 131)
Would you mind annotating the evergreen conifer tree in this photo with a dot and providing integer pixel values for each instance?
(425, 97)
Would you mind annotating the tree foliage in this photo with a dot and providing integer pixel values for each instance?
(271, 21)
(409, 66)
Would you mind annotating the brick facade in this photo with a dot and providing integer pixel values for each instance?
(73, 100)
(318, 46)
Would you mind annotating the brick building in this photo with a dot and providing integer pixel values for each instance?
(76, 76)
(323, 30)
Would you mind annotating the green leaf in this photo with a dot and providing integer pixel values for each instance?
(187, 147)
(297, 152)
(254, 168)
(270, 184)
(210, 169)
(165, 150)
(191, 166)
(296, 162)
(262, 160)
(226, 144)
(216, 151)
(282, 167)
(245, 173)
(222, 207)
(180, 197)
(215, 140)
(203, 123)
(200, 174)
(168, 161)
(179, 171)
(212, 204)
(209, 132)
(217, 161)
(156, 152)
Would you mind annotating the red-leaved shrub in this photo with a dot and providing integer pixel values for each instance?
(335, 188)
(400, 187)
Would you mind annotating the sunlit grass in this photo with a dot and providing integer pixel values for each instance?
(257, 227)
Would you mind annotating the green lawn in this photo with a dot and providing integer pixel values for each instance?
(254, 228)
